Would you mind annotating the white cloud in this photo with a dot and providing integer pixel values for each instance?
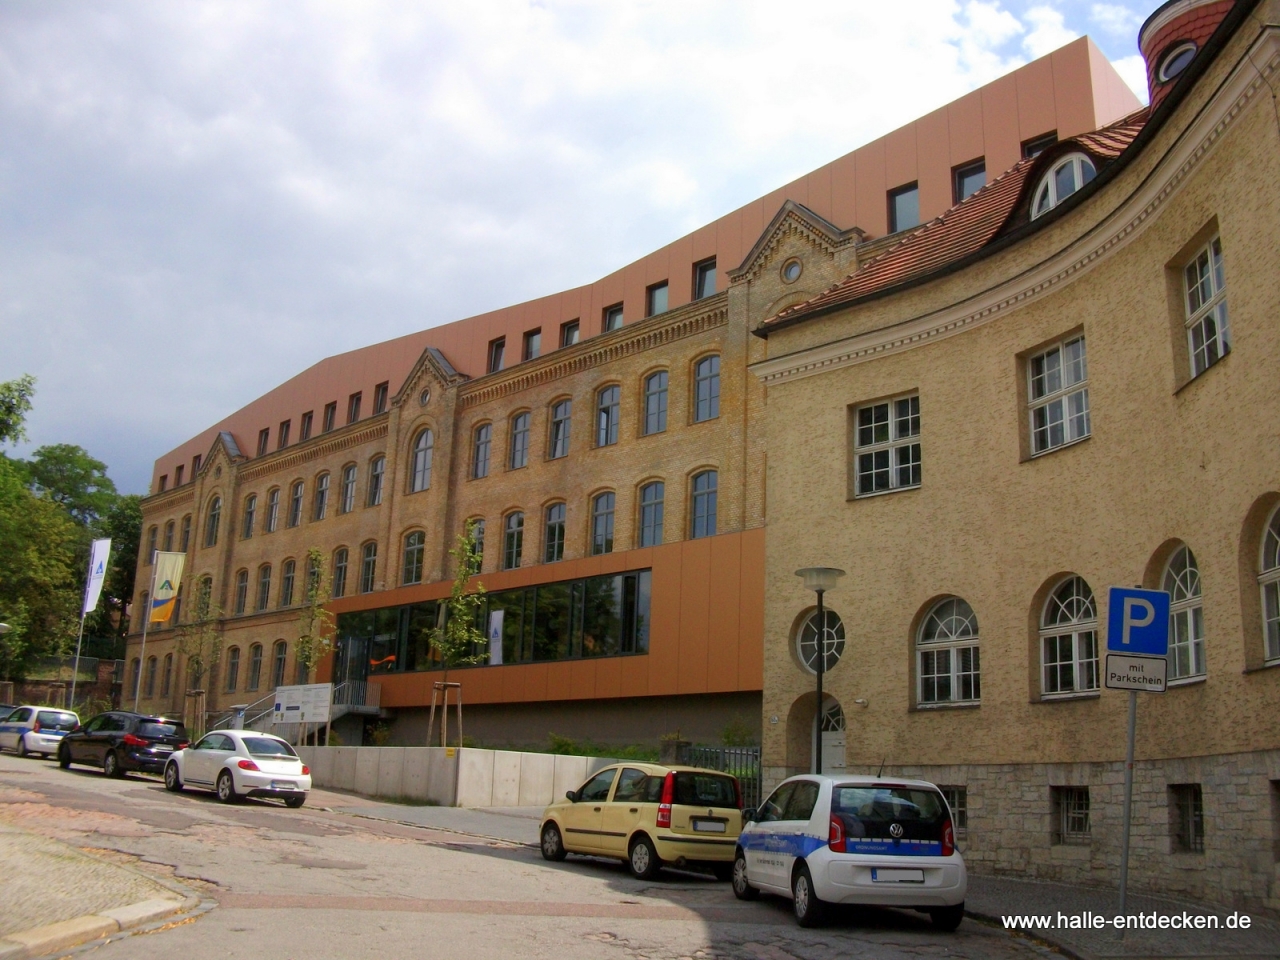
(204, 198)
(1133, 71)
(1115, 20)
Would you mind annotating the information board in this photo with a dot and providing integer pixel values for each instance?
(303, 703)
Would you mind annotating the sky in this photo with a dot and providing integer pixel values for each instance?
(199, 200)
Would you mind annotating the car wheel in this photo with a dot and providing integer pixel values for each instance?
(644, 860)
(22, 746)
(111, 765)
(226, 787)
(553, 843)
(64, 758)
(293, 803)
(810, 910)
(172, 780)
(947, 918)
(741, 889)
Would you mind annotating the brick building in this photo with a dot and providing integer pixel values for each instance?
(1040, 395)
(610, 438)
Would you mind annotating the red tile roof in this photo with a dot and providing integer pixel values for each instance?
(964, 229)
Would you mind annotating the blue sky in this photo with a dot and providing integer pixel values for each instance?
(202, 199)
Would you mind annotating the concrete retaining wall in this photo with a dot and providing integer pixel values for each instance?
(462, 777)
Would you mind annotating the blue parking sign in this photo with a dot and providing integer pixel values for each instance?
(1138, 622)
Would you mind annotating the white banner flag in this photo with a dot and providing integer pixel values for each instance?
(168, 577)
(98, 555)
(495, 637)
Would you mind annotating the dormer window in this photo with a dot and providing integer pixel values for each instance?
(1066, 177)
(1176, 60)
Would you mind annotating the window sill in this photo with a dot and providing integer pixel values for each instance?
(1200, 376)
(1189, 681)
(1265, 665)
(1053, 450)
(1063, 697)
(1187, 860)
(949, 705)
(883, 493)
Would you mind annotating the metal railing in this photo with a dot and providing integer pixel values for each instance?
(357, 693)
(741, 762)
(253, 712)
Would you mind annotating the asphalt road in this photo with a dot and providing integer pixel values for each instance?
(313, 884)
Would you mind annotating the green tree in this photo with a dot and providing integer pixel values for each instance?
(315, 622)
(123, 524)
(70, 477)
(15, 404)
(200, 638)
(457, 641)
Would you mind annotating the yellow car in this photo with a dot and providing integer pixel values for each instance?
(649, 816)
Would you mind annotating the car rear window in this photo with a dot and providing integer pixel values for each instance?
(871, 813)
(54, 720)
(266, 747)
(705, 790)
(156, 729)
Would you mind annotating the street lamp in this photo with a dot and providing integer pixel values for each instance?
(819, 580)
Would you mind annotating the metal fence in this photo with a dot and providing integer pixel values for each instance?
(741, 762)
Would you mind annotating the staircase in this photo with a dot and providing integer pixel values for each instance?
(355, 696)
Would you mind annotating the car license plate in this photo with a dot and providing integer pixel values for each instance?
(283, 785)
(883, 875)
(708, 826)
(163, 748)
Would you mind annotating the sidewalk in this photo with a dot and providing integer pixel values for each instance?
(53, 897)
(992, 898)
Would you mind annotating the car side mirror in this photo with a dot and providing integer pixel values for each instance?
(75, 729)
(749, 815)
(572, 796)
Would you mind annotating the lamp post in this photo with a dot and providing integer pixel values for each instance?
(819, 580)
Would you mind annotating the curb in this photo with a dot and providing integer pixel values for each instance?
(60, 937)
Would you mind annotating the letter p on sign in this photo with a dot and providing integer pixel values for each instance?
(1138, 622)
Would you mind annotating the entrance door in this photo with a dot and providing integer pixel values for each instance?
(833, 738)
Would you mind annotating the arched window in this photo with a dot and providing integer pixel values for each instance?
(423, 448)
(250, 514)
(151, 545)
(204, 599)
(320, 503)
(706, 389)
(519, 441)
(242, 590)
(414, 549)
(272, 521)
(703, 515)
(1069, 640)
(655, 403)
(233, 669)
(150, 689)
(295, 503)
(168, 536)
(278, 662)
(512, 540)
(1186, 616)
(377, 467)
(561, 422)
(347, 501)
(1269, 581)
(255, 667)
(1066, 177)
(339, 588)
(607, 401)
(288, 571)
(368, 566)
(554, 537)
(947, 654)
(476, 529)
(651, 509)
(211, 521)
(166, 679)
(602, 508)
(186, 533)
(832, 640)
(480, 451)
(264, 587)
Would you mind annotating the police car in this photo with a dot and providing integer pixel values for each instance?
(29, 730)
(822, 840)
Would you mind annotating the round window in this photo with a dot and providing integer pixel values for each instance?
(791, 271)
(424, 396)
(832, 641)
(1176, 60)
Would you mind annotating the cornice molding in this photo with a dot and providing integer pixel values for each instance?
(370, 429)
(167, 499)
(678, 324)
(1251, 74)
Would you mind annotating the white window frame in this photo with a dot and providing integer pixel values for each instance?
(423, 453)
(1204, 291)
(348, 502)
(1061, 390)
(1046, 196)
(1082, 633)
(957, 637)
(1181, 581)
(895, 450)
(1269, 586)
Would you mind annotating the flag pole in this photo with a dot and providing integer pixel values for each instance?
(142, 651)
(75, 671)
